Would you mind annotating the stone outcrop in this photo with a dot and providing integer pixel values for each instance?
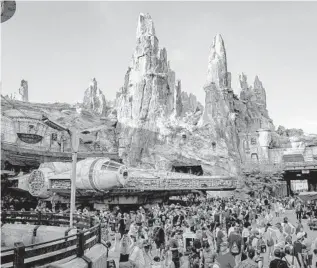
(24, 91)
(94, 99)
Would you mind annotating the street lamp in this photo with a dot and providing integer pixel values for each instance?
(74, 144)
(74, 136)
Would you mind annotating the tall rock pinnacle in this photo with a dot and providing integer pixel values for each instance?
(217, 67)
(243, 81)
(259, 91)
(94, 99)
(149, 83)
(145, 26)
(148, 93)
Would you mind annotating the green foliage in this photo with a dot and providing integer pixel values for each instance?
(260, 178)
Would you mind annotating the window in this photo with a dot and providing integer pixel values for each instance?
(253, 141)
(54, 136)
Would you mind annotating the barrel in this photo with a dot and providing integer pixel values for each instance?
(100, 174)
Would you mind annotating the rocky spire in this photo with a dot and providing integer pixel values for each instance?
(145, 26)
(148, 93)
(243, 81)
(217, 66)
(149, 83)
(257, 83)
(94, 99)
(259, 91)
(24, 91)
(178, 98)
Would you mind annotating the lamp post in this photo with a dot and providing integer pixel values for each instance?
(74, 137)
(74, 144)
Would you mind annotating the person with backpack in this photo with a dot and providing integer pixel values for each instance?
(250, 261)
(235, 244)
(298, 249)
(278, 261)
(268, 235)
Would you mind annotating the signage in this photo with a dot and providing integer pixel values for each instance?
(305, 171)
(30, 138)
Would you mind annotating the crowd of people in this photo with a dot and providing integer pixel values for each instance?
(205, 232)
(217, 232)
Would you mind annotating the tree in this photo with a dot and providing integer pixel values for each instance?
(260, 178)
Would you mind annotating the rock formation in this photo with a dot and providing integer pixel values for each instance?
(152, 123)
(178, 99)
(217, 67)
(94, 99)
(148, 91)
(24, 91)
(190, 103)
(259, 92)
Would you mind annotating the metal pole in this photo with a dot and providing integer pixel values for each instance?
(73, 188)
(75, 145)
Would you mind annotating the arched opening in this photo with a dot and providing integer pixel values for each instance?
(196, 170)
(254, 158)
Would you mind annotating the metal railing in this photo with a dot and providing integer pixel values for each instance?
(21, 256)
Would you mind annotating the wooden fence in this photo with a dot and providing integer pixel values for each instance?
(49, 219)
(21, 256)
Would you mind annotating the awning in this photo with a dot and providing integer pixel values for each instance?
(308, 196)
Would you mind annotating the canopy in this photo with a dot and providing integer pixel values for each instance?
(308, 196)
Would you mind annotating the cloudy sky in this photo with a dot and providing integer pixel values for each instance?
(59, 46)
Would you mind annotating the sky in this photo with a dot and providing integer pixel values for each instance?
(58, 47)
